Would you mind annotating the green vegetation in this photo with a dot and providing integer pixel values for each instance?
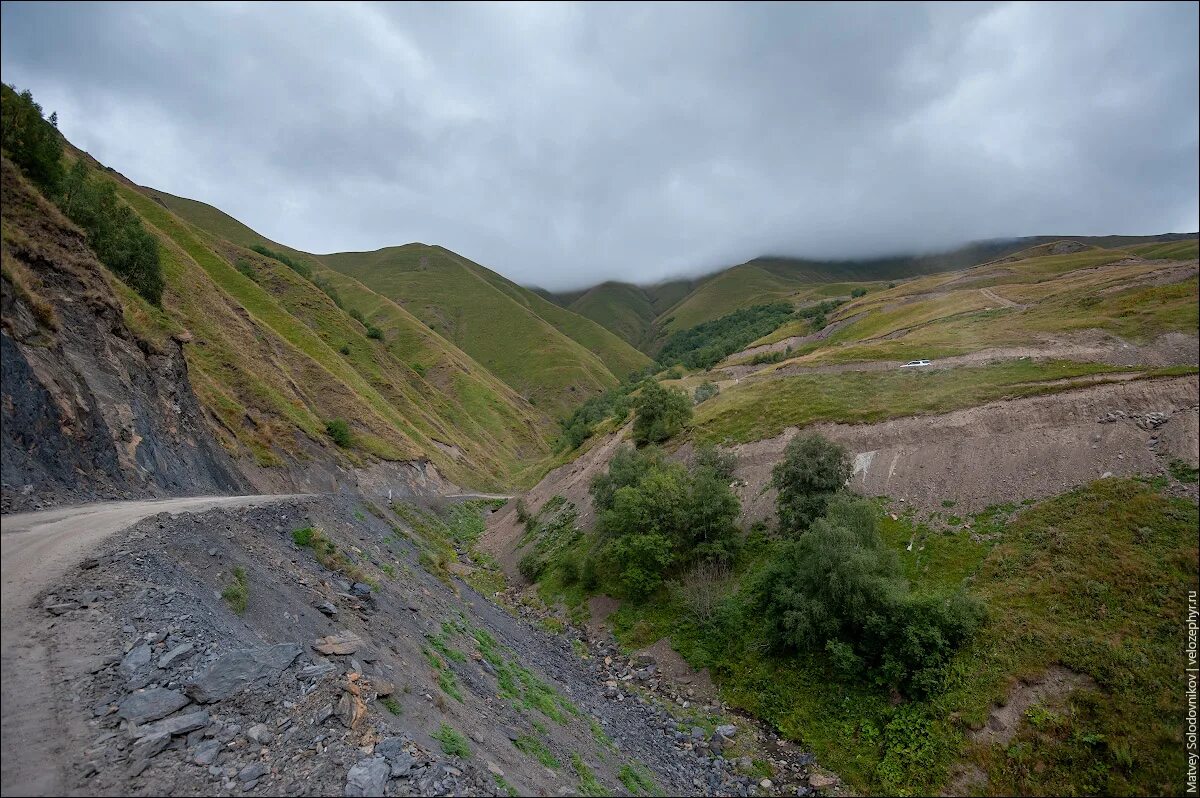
(503, 785)
(339, 430)
(588, 783)
(812, 470)
(661, 414)
(237, 595)
(114, 231)
(614, 403)
(328, 555)
(763, 409)
(1183, 471)
(299, 267)
(637, 779)
(708, 343)
(704, 391)
(453, 743)
(535, 748)
(545, 353)
(391, 705)
(30, 141)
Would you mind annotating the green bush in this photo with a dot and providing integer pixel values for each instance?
(357, 315)
(718, 461)
(840, 589)
(705, 391)
(339, 430)
(30, 141)
(857, 292)
(661, 414)
(245, 268)
(655, 513)
(812, 470)
(374, 332)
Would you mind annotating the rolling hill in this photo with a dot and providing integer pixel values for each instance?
(548, 354)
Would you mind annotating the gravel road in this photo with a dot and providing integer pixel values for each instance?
(36, 549)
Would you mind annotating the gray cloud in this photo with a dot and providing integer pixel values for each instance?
(563, 144)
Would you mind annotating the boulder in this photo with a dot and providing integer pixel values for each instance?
(147, 705)
(368, 777)
(239, 669)
(342, 644)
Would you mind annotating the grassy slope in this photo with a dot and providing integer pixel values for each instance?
(270, 349)
(620, 307)
(480, 412)
(1095, 580)
(499, 324)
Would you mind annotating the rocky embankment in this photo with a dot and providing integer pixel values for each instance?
(351, 670)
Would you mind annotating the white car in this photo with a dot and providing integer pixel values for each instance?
(915, 363)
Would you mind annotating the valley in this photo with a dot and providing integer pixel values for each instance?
(389, 523)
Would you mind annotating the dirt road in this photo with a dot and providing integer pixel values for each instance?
(35, 550)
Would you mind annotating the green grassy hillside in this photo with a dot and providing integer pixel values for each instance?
(620, 307)
(549, 355)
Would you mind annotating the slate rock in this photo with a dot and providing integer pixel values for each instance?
(137, 658)
(361, 589)
(177, 654)
(238, 669)
(342, 644)
(259, 733)
(206, 753)
(151, 745)
(253, 772)
(147, 705)
(326, 608)
(368, 777)
(179, 724)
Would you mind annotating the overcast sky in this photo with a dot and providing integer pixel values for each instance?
(566, 144)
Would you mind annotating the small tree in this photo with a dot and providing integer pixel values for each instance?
(661, 413)
(812, 470)
(32, 142)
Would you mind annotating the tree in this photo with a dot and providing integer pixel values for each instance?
(812, 470)
(30, 141)
(840, 589)
(661, 413)
(720, 462)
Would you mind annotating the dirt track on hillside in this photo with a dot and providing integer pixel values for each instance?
(1171, 349)
(1003, 451)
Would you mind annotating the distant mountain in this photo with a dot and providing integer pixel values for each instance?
(644, 315)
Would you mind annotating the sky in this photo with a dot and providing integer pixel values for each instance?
(563, 145)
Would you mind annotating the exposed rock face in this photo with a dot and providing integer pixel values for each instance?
(88, 410)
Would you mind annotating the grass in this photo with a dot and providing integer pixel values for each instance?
(535, 748)
(504, 786)
(1183, 471)
(763, 409)
(588, 783)
(1095, 580)
(637, 779)
(540, 350)
(237, 595)
(391, 705)
(453, 743)
(329, 556)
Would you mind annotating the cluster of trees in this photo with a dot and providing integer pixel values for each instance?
(706, 344)
(705, 391)
(824, 582)
(816, 314)
(834, 585)
(114, 231)
(655, 516)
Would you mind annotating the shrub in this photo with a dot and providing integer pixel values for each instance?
(30, 141)
(719, 462)
(374, 332)
(419, 368)
(339, 430)
(357, 315)
(840, 589)
(345, 349)
(857, 292)
(661, 414)
(245, 268)
(705, 391)
(812, 470)
(304, 537)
